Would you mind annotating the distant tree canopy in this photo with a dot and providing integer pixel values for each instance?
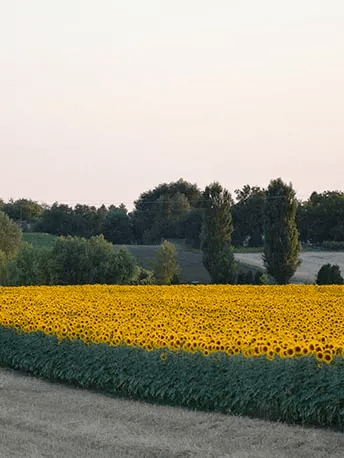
(162, 212)
(25, 212)
(248, 216)
(116, 226)
(321, 217)
(174, 211)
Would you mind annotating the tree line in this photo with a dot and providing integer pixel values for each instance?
(210, 220)
(176, 211)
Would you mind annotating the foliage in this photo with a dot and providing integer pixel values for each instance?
(143, 276)
(211, 318)
(116, 226)
(88, 261)
(321, 217)
(25, 212)
(218, 257)
(72, 261)
(161, 212)
(281, 245)
(32, 266)
(248, 216)
(329, 275)
(10, 236)
(82, 221)
(10, 239)
(214, 347)
(331, 245)
(291, 390)
(167, 269)
(40, 239)
(193, 227)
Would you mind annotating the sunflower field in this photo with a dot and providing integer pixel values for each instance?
(266, 351)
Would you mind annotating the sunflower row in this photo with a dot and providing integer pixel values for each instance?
(289, 321)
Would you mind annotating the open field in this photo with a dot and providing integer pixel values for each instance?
(311, 263)
(43, 419)
(193, 269)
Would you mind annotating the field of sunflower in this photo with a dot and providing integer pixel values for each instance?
(272, 350)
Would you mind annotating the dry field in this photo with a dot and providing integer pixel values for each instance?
(311, 263)
(39, 419)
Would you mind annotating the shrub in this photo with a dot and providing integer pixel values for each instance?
(167, 270)
(72, 261)
(329, 275)
(143, 276)
(31, 266)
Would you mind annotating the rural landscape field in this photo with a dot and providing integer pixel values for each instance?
(207, 325)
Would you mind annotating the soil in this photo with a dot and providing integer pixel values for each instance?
(43, 419)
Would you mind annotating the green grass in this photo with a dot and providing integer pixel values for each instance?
(40, 239)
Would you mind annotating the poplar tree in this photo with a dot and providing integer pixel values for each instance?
(216, 234)
(281, 244)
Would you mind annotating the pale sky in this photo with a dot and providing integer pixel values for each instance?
(103, 100)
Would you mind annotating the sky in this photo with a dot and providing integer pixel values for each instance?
(101, 101)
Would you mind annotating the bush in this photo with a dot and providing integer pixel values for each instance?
(31, 266)
(329, 275)
(143, 276)
(73, 261)
(167, 270)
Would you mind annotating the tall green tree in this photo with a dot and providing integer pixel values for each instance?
(10, 239)
(217, 229)
(281, 245)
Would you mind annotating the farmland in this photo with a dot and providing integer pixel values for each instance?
(310, 312)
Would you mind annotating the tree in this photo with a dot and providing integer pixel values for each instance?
(167, 270)
(329, 275)
(87, 261)
(161, 212)
(31, 266)
(25, 212)
(217, 229)
(10, 240)
(248, 216)
(321, 217)
(116, 226)
(282, 246)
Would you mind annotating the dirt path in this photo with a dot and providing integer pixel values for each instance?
(310, 265)
(41, 419)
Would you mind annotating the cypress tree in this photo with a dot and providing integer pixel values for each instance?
(217, 229)
(281, 245)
